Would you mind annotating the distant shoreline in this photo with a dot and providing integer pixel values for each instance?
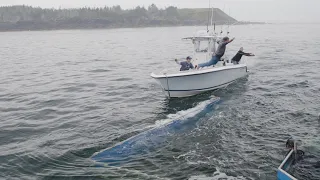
(27, 18)
(120, 27)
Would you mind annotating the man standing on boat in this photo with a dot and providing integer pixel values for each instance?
(236, 59)
(219, 53)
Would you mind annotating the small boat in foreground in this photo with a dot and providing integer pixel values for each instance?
(195, 81)
(290, 159)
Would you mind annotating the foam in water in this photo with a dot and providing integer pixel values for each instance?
(149, 140)
(189, 113)
(216, 176)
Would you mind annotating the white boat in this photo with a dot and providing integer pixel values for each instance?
(195, 81)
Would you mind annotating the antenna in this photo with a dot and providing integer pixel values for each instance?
(214, 24)
(208, 17)
(222, 23)
(228, 22)
(212, 16)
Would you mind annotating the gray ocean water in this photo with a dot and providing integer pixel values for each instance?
(65, 95)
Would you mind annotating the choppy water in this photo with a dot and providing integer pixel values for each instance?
(65, 95)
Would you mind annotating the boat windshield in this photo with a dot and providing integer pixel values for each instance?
(203, 46)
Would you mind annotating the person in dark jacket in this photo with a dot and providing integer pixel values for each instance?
(236, 59)
(185, 65)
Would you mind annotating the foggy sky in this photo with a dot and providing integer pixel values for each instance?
(244, 10)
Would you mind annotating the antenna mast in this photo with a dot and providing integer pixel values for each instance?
(223, 22)
(228, 22)
(212, 16)
(208, 17)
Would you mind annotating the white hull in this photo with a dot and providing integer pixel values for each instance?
(189, 83)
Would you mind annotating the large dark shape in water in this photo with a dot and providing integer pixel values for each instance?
(149, 140)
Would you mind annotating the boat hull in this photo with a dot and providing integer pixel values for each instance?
(282, 173)
(198, 81)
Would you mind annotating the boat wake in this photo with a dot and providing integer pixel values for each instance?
(149, 140)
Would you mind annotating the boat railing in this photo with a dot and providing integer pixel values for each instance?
(285, 165)
(290, 159)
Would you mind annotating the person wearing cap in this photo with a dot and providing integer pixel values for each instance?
(185, 65)
(219, 53)
(236, 59)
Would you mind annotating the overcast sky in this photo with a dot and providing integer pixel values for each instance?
(246, 10)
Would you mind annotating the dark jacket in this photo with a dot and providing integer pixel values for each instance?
(186, 66)
(239, 55)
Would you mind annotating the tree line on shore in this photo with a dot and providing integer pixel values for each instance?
(35, 18)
